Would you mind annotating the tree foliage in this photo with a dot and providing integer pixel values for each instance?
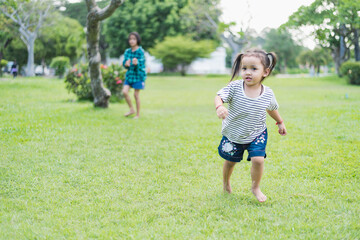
(29, 17)
(65, 37)
(283, 45)
(317, 57)
(181, 51)
(152, 19)
(7, 34)
(336, 26)
(195, 19)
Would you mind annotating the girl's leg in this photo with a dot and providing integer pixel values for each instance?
(125, 91)
(228, 168)
(137, 99)
(257, 169)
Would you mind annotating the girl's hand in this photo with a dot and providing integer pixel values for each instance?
(282, 129)
(135, 61)
(127, 63)
(222, 112)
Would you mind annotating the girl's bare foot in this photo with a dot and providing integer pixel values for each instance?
(258, 194)
(136, 117)
(129, 113)
(227, 188)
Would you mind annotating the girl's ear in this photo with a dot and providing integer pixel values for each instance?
(266, 72)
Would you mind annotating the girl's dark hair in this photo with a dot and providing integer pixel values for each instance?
(138, 39)
(268, 60)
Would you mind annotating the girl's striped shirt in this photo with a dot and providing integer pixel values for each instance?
(247, 116)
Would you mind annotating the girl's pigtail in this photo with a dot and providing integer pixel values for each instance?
(236, 66)
(272, 59)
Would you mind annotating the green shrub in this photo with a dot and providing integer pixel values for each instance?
(181, 51)
(352, 71)
(60, 64)
(3, 63)
(113, 77)
(78, 81)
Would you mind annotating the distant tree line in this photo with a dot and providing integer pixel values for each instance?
(63, 33)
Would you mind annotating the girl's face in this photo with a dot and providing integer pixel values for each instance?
(252, 70)
(132, 41)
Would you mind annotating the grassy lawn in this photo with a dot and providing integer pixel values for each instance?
(69, 171)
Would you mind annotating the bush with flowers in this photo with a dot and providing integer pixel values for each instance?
(78, 81)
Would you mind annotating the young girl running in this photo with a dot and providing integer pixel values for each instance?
(134, 62)
(244, 123)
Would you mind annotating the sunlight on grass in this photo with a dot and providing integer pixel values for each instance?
(69, 171)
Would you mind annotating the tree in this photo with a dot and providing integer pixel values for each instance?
(317, 57)
(29, 16)
(235, 40)
(336, 26)
(181, 51)
(78, 11)
(284, 46)
(6, 34)
(94, 17)
(152, 19)
(65, 37)
(16, 50)
(194, 19)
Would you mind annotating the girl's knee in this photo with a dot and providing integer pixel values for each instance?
(230, 163)
(257, 160)
(136, 95)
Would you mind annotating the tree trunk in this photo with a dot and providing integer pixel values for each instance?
(336, 56)
(356, 44)
(100, 93)
(182, 69)
(95, 16)
(285, 66)
(235, 47)
(30, 44)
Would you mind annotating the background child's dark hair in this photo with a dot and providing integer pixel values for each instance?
(138, 39)
(268, 60)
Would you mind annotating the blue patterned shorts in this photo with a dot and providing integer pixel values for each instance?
(234, 152)
(136, 85)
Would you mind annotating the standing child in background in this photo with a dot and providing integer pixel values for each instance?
(14, 69)
(134, 62)
(244, 124)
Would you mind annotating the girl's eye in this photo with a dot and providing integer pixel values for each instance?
(254, 69)
(244, 69)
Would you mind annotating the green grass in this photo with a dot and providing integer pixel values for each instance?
(69, 171)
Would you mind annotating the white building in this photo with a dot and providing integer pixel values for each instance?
(215, 64)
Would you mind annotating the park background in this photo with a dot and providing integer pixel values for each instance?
(71, 170)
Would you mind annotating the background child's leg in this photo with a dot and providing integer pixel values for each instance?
(125, 91)
(228, 168)
(257, 169)
(137, 99)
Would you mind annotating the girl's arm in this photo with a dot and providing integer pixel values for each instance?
(139, 61)
(279, 121)
(221, 110)
(126, 58)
